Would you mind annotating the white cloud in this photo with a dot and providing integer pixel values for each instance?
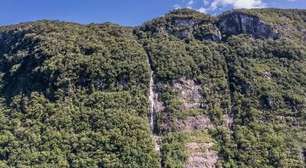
(177, 6)
(191, 2)
(213, 6)
(205, 2)
(184, 4)
(202, 10)
(236, 4)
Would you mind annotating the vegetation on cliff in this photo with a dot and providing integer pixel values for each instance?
(77, 95)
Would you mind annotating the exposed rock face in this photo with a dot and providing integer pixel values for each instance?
(184, 22)
(158, 105)
(200, 30)
(216, 29)
(190, 97)
(201, 155)
(189, 93)
(194, 123)
(157, 142)
(267, 75)
(186, 28)
(211, 37)
(228, 120)
(183, 34)
(185, 103)
(230, 24)
(240, 23)
(207, 32)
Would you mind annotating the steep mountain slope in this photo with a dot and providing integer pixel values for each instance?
(74, 96)
(183, 90)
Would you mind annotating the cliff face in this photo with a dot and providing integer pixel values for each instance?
(241, 23)
(183, 90)
(188, 25)
(224, 82)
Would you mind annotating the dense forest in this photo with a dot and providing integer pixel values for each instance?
(224, 91)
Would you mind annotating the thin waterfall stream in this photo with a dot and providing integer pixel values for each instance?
(152, 111)
(151, 102)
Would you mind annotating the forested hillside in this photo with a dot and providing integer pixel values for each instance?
(182, 90)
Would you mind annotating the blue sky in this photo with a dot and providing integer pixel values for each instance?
(124, 12)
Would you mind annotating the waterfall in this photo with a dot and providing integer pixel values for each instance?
(151, 102)
(151, 110)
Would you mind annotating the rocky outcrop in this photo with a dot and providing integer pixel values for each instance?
(184, 22)
(201, 155)
(228, 120)
(189, 93)
(189, 105)
(194, 123)
(207, 32)
(211, 28)
(236, 23)
(191, 28)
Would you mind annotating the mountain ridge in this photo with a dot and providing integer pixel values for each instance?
(221, 93)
